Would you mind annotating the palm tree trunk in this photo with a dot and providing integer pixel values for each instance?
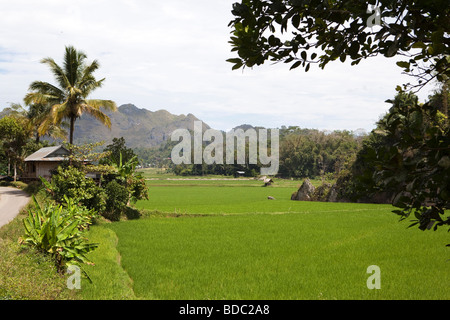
(72, 125)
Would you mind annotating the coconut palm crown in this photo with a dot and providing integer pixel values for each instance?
(75, 82)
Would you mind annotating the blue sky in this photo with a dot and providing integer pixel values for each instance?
(171, 55)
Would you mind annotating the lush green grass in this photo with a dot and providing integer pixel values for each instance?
(26, 274)
(111, 282)
(288, 256)
(234, 243)
(231, 197)
(29, 275)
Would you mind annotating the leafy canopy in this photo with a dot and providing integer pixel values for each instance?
(418, 162)
(305, 32)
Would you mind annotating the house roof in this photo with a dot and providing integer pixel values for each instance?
(57, 153)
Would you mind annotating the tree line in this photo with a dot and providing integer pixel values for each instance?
(304, 153)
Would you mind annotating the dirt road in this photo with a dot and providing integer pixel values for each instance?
(12, 200)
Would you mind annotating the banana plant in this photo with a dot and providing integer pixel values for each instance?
(126, 169)
(80, 213)
(54, 231)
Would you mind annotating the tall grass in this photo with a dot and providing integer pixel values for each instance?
(289, 256)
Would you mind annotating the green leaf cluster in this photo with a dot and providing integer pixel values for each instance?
(406, 161)
(58, 230)
(72, 183)
(301, 33)
(418, 161)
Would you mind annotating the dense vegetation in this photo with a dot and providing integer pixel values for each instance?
(405, 161)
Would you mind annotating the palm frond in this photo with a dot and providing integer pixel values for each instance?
(57, 71)
(95, 111)
(90, 85)
(51, 93)
(45, 126)
(108, 105)
(90, 69)
(55, 132)
(46, 87)
(73, 65)
(40, 98)
(59, 112)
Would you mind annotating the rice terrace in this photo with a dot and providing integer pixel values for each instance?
(172, 151)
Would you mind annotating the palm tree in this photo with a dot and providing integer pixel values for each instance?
(75, 82)
(36, 120)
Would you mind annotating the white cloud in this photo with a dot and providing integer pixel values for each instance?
(171, 55)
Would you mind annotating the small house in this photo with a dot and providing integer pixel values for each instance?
(43, 162)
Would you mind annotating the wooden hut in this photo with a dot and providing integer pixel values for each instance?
(43, 162)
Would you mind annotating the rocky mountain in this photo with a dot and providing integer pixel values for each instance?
(141, 128)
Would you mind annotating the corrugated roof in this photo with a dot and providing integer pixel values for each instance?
(57, 153)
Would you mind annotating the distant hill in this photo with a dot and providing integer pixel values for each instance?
(139, 127)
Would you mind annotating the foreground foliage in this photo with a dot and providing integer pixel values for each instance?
(418, 161)
(58, 231)
(26, 274)
(406, 161)
(301, 33)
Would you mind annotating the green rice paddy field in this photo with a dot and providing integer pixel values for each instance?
(228, 241)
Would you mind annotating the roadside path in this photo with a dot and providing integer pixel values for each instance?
(12, 200)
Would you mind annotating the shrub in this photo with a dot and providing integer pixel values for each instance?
(33, 187)
(321, 192)
(72, 182)
(116, 200)
(137, 188)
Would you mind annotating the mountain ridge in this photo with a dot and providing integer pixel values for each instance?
(140, 127)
